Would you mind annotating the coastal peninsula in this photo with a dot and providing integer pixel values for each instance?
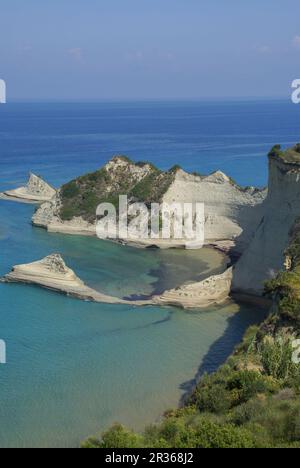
(230, 210)
(52, 273)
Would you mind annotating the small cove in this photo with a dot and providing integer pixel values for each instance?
(74, 367)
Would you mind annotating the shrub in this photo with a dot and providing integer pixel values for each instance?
(142, 191)
(246, 412)
(276, 357)
(250, 383)
(68, 212)
(214, 399)
(70, 190)
(248, 344)
(211, 394)
(289, 307)
(89, 203)
(211, 435)
(200, 432)
(275, 151)
(152, 188)
(293, 381)
(116, 437)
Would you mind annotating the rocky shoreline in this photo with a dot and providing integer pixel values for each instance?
(251, 226)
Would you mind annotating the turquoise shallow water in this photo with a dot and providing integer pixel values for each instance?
(75, 367)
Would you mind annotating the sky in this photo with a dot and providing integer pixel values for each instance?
(149, 49)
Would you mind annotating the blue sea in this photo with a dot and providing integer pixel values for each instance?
(75, 367)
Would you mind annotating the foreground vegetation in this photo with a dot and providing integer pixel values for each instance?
(253, 401)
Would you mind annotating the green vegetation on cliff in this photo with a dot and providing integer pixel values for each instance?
(141, 182)
(253, 401)
(285, 288)
(153, 187)
(290, 155)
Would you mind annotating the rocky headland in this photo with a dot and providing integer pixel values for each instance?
(230, 210)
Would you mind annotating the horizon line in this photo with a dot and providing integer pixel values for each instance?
(46, 100)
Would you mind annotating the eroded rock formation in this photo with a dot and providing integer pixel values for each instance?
(52, 273)
(36, 191)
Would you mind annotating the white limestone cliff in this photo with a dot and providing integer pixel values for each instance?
(264, 257)
(229, 209)
(209, 292)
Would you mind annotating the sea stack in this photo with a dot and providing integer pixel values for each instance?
(36, 191)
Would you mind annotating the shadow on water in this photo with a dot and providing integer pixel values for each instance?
(161, 281)
(220, 351)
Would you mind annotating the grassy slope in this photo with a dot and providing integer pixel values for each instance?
(253, 400)
(81, 196)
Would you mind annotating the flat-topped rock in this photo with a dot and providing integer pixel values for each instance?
(36, 191)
